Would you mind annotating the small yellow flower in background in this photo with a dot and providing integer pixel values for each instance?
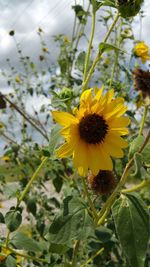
(141, 51)
(66, 40)
(45, 50)
(94, 133)
(5, 158)
(17, 79)
(1, 205)
(4, 253)
(1, 125)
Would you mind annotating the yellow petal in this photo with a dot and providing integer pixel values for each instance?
(118, 122)
(117, 140)
(98, 93)
(111, 149)
(64, 151)
(106, 162)
(86, 97)
(120, 131)
(94, 158)
(80, 158)
(64, 118)
(109, 95)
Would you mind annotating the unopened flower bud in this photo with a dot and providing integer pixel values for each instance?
(128, 8)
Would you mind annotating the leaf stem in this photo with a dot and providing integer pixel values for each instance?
(137, 187)
(143, 120)
(75, 251)
(85, 83)
(92, 258)
(24, 255)
(90, 45)
(34, 176)
(89, 200)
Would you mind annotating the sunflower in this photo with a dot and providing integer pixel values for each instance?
(141, 51)
(93, 133)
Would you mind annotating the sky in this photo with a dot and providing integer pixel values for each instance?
(54, 17)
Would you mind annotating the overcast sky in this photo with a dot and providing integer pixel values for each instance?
(54, 17)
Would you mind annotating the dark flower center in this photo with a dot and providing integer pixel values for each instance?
(93, 129)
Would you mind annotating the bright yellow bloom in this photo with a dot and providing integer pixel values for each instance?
(141, 50)
(5, 158)
(94, 133)
(4, 253)
(1, 125)
(17, 79)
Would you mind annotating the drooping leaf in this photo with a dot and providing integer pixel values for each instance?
(80, 61)
(135, 145)
(13, 219)
(72, 224)
(22, 241)
(54, 138)
(103, 47)
(10, 262)
(132, 225)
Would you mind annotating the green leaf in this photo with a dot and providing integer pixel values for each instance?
(31, 205)
(10, 262)
(146, 154)
(138, 165)
(54, 138)
(13, 219)
(2, 218)
(74, 223)
(103, 47)
(103, 234)
(22, 241)
(80, 61)
(58, 248)
(132, 225)
(11, 190)
(135, 145)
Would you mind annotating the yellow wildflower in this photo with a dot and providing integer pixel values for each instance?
(141, 51)
(17, 79)
(45, 50)
(66, 40)
(94, 133)
(1, 125)
(5, 158)
(4, 253)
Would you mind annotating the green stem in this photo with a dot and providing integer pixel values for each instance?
(89, 200)
(75, 251)
(143, 120)
(137, 187)
(90, 45)
(24, 255)
(107, 206)
(85, 83)
(92, 258)
(34, 176)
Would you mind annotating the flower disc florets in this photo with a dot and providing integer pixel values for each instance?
(93, 133)
(93, 128)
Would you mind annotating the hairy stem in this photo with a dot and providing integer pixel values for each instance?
(137, 187)
(143, 120)
(90, 45)
(85, 84)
